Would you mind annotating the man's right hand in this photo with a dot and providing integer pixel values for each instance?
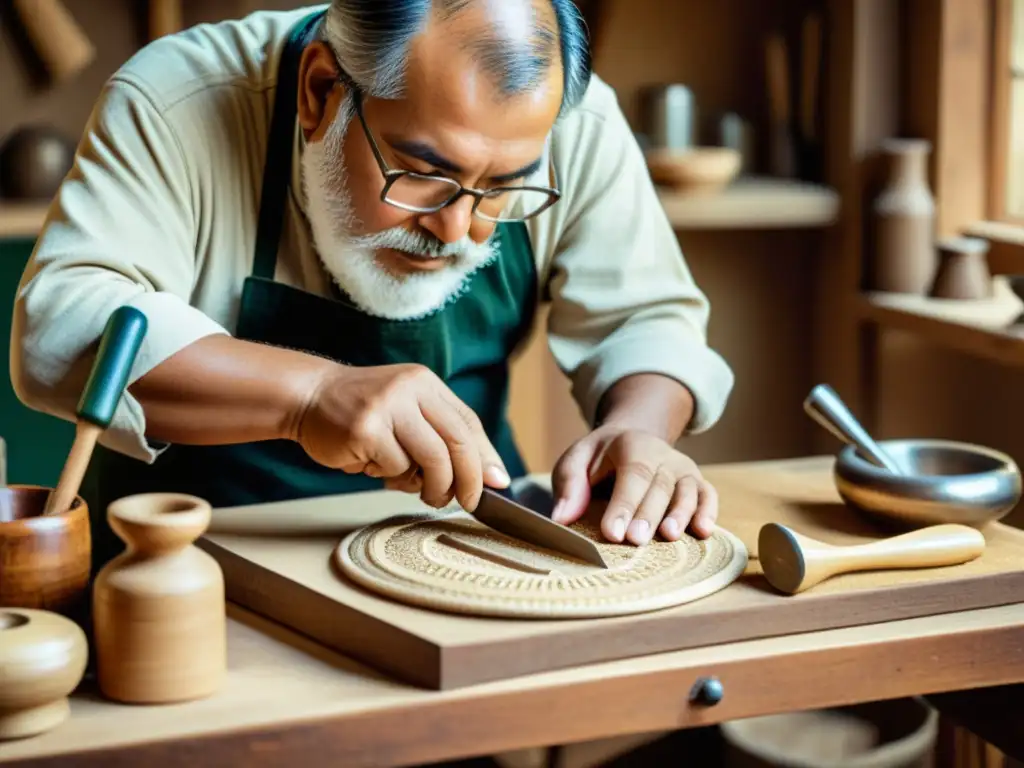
(397, 422)
(400, 422)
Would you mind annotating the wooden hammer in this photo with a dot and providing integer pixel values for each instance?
(56, 36)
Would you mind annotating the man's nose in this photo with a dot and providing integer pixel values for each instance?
(452, 223)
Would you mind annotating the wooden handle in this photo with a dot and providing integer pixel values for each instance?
(60, 42)
(164, 18)
(777, 70)
(810, 71)
(792, 562)
(782, 159)
(75, 465)
(122, 338)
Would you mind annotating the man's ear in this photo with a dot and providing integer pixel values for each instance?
(318, 76)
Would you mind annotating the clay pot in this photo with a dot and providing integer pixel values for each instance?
(44, 560)
(33, 162)
(42, 660)
(159, 620)
(904, 219)
(963, 269)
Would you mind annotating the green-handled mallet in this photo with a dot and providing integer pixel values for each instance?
(118, 349)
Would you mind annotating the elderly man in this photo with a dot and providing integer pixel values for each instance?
(339, 221)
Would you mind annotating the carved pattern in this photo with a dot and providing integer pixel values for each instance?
(404, 559)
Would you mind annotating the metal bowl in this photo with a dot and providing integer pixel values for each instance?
(944, 482)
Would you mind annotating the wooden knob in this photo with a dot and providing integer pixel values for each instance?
(792, 562)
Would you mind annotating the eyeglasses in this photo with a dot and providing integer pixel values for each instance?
(430, 192)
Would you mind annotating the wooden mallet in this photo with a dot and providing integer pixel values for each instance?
(793, 562)
(118, 349)
(63, 47)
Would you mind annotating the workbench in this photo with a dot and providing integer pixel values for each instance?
(289, 701)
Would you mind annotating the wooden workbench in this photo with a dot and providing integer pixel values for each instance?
(288, 701)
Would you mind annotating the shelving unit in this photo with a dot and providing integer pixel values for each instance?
(980, 328)
(753, 203)
(949, 47)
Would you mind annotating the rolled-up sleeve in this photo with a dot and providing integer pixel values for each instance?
(119, 232)
(623, 300)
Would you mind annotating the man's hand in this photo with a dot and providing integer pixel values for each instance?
(401, 423)
(656, 488)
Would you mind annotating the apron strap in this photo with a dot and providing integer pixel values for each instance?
(278, 166)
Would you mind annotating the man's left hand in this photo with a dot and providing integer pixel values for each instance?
(657, 488)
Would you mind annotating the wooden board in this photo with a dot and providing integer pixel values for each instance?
(277, 562)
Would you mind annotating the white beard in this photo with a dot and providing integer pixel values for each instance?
(350, 259)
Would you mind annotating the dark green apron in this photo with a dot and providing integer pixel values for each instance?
(467, 343)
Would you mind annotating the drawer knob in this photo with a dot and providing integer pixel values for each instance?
(707, 690)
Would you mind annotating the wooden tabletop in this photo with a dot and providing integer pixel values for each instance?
(288, 700)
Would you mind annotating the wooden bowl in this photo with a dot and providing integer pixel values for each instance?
(701, 169)
(43, 658)
(882, 734)
(45, 561)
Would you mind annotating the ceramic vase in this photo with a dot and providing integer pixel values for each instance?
(158, 608)
(42, 660)
(904, 220)
(963, 269)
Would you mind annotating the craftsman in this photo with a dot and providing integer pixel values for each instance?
(339, 222)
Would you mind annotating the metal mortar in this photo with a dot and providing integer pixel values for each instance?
(942, 482)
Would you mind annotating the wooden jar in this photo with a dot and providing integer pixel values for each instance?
(158, 608)
(44, 560)
(42, 660)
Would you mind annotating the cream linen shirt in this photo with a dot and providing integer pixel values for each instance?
(159, 212)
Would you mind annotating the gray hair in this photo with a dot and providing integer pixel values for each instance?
(371, 38)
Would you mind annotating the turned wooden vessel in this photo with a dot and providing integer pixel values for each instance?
(158, 608)
(694, 170)
(44, 559)
(42, 660)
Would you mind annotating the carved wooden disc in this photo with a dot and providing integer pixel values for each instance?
(449, 561)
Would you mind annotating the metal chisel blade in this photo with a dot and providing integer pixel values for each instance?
(506, 516)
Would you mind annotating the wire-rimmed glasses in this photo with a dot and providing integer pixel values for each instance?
(430, 192)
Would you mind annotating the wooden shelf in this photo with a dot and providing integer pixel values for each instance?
(753, 203)
(979, 328)
(21, 219)
(745, 204)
